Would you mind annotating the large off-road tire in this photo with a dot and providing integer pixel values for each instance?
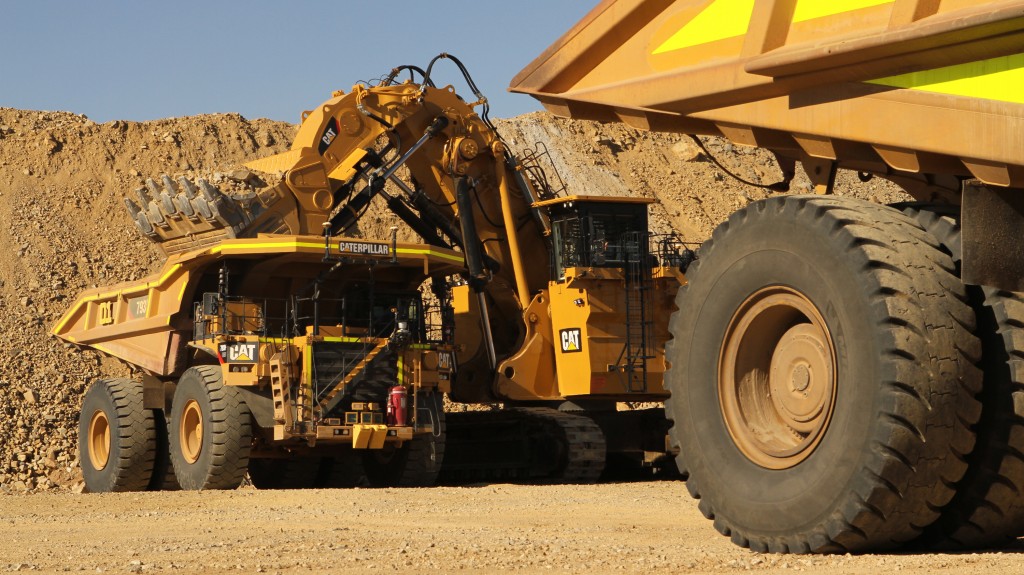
(210, 431)
(343, 470)
(163, 471)
(416, 463)
(116, 437)
(340, 470)
(988, 508)
(287, 473)
(821, 376)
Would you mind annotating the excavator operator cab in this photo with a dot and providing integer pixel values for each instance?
(598, 232)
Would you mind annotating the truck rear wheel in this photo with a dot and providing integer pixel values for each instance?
(342, 470)
(417, 463)
(988, 508)
(163, 471)
(821, 377)
(210, 431)
(116, 437)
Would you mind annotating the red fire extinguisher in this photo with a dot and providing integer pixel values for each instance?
(398, 400)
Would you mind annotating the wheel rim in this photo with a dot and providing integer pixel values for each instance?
(190, 432)
(777, 377)
(99, 440)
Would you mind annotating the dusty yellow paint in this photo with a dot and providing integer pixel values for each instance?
(276, 163)
(999, 79)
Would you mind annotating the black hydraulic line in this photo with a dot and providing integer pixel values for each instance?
(780, 186)
(411, 69)
(418, 224)
(483, 212)
(471, 241)
(354, 208)
(428, 210)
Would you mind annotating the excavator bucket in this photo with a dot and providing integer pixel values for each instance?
(182, 216)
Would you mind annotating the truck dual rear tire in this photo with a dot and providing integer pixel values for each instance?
(117, 437)
(210, 431)
(821, 376)
(988, 508)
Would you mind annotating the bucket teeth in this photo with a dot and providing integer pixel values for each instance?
(144, 198)
(187, 187)
(154, 191)
(133, 208)
(139, 217)
(182, 215)
(161, 198)
(181, 200)
(223, 208)
(209, 192)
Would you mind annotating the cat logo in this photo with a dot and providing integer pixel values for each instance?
(330, 132)
(571, 340)
(444, 360)
(238, 352)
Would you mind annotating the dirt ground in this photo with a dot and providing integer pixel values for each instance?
(610, 528)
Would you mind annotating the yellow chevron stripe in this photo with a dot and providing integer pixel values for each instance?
(724, 19)
(720, 20)
(811, 9)
(999, 79)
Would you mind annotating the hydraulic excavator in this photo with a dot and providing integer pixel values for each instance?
(273, 342)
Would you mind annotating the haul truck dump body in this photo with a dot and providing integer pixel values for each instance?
(842, 376)
(923, 92)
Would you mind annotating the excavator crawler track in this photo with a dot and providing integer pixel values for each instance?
(533, 444)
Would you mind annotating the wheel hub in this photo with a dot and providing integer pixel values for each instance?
(777, 377)
(99, 440)
(190, 432)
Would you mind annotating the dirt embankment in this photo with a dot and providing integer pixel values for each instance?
(62, 180)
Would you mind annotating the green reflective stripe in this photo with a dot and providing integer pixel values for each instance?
(307, 367)
(430, 252)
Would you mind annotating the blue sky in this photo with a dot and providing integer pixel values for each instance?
(136, 60)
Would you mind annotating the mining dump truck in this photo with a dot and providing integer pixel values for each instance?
(275, 343)
(844, 376)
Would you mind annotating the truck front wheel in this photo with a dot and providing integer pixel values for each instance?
(822, 379)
